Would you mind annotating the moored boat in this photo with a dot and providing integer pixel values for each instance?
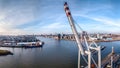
(23, 42)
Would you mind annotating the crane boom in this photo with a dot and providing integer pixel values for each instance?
(71, 22)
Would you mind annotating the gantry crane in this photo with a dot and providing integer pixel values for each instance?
(85, 49)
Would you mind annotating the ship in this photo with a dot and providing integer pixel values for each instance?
(22, 42)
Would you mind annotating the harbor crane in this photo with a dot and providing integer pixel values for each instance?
(85, 48)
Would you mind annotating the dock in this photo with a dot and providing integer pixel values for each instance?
(106, 62)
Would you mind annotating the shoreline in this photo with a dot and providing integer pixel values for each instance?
(23, 46)
(5, 52)
(91, 40)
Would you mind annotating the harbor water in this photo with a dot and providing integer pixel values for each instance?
(53, 54)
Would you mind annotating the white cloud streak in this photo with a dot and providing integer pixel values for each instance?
(14, 16)
(53, 17)
(104, 20)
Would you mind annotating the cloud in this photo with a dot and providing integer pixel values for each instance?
(54, 27)
(104, 20)
(100, 18)
(99, 24)
(37, 16)
(14, 14)
(24, 16)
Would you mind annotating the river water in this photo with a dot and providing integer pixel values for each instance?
(53, 54)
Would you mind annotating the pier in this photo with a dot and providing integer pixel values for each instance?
(111, 60)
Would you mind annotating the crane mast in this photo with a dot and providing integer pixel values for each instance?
(81, 50)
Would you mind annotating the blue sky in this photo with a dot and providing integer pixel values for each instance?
(48, 16)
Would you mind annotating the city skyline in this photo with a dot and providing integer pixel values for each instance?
(48, 16)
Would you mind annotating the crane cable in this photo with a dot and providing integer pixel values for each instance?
(78, 25)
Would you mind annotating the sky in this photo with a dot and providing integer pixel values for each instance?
(48, 16)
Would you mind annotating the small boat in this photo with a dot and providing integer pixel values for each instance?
(23, 44)
(30, 44)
